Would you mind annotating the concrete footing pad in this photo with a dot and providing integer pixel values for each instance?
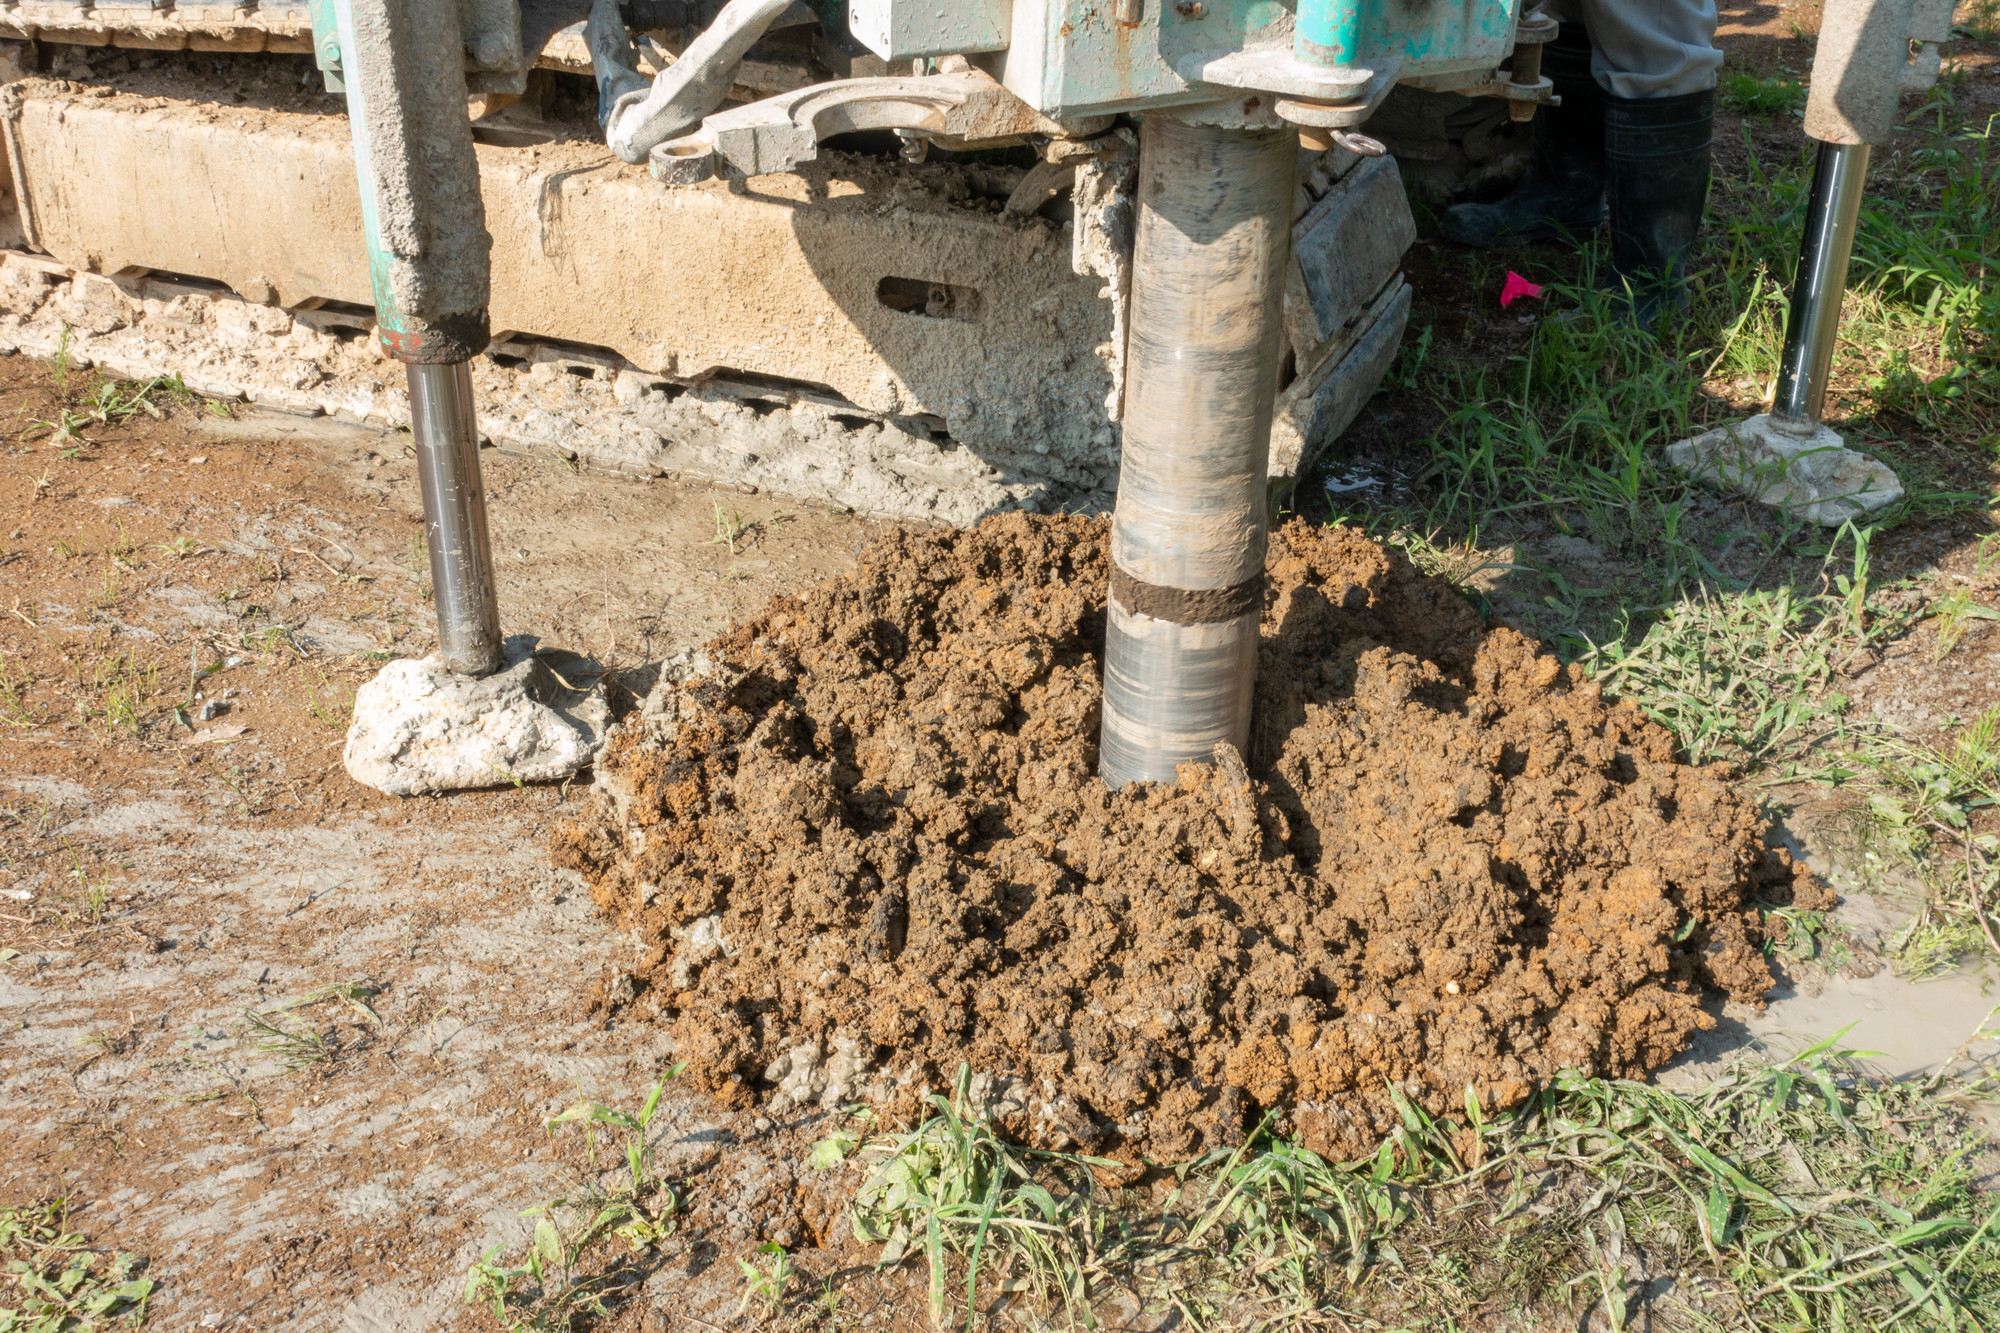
(419, 729)
(1814, 476)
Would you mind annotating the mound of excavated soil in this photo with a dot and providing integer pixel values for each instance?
(861, 840)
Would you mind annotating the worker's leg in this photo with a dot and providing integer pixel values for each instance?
(1648, 49)
(1657, 59)
(1562, 192)
(1638, 127)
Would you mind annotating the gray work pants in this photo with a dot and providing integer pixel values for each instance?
(1648, 48)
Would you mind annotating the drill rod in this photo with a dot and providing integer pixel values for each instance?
(468, 608)
(1187, 543)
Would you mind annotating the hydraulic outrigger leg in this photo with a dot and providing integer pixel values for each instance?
(1789, 456)
(473, 714)
(428, 253)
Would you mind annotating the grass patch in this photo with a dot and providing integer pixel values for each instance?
(1754, 95)
(570, 1267)
(1788, 1194)
(53, 1282)
(299, 1048)
(1982, 21)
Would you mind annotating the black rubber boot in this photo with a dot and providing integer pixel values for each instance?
(1562, 193)
(1656, 153)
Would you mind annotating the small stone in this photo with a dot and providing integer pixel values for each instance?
(98, 305)
(418, 728)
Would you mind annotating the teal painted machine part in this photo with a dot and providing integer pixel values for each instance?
(326, 42)
(389, 322)
(1328, 32)
(1087, 62)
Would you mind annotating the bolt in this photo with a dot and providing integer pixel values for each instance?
(490, 49)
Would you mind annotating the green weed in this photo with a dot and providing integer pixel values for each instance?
(329, 703)
(766, 1284)
(1731, 677)
(953, 1187)
(1788, 1194)
(731, 528)
(549, 1288)
(252, 795)
(116, 689)
(53, 1282)
(545, 1292)
(1955, 613)
(295, 1049)
(299, 1048)
(107, 1043)
(96, 895)
(59, 364)
(1753, 95)
(65, 426)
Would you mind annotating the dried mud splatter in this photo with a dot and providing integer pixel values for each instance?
(861, 839)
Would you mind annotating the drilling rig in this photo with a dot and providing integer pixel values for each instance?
(920, 320)
(915, 258)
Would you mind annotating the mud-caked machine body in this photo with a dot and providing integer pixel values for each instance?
(1223, 93)
(1147, 231)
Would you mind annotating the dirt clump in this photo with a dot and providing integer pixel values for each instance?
(861, 839)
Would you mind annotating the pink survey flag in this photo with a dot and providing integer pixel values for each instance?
(1517, 287)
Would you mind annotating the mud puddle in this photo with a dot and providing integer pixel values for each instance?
(860, 839)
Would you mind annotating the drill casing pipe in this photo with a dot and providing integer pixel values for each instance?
(1188, 536)
(1839, 173)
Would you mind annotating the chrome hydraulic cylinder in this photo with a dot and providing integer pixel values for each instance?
(1839, 173)
(468, 608)
(1187, 545)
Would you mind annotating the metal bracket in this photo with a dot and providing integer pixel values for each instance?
(1273, 69)
(780, 132)
(1343, 115)
(1523, 97)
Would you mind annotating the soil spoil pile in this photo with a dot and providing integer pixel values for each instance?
(861, 839)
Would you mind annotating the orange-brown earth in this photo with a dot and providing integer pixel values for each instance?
(861, 840)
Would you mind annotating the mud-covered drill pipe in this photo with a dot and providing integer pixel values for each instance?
(428, 256)
(1187, 543)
